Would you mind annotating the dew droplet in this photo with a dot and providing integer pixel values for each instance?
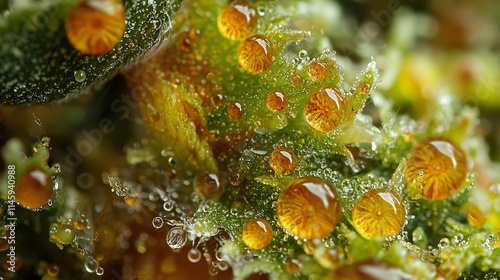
(309, 208)
(99, 271)
(436, 168)
(194, 255)
(95, 27)
(302, 54)
(131, 199)
(91, 264)
(80, 222)
(223, 265)
(378, 214)
(257, 233)
(325, 109)
(255, 54)
(209, 186)
(34, 189)
(276, 100)
(157, 222)
(283, 161)
(235, 111)
(168, 205)
(236, 21)
(53, 270)
(63, 235)
(176, 238)
(80, 75)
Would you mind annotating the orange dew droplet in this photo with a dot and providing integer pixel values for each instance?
(436, 168)
(209, 186)
(235, 111)
(131, 199)
(378, 214)
(309, 208)
(95, 27)
(476, 216)
(293, 266)
(235, 22)
(257, 233)
(296, 80)
(276, 100)
(80, 222)
(255, 54)
(283, 161)
(317, 70)
(34, 188)
(325, 109)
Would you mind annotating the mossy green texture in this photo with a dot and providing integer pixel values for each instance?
(39, 65)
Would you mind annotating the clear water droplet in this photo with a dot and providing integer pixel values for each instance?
(157, 222)
(168, 205)
(91, 264)
(176, 238)
(194, 255)
(99, 271)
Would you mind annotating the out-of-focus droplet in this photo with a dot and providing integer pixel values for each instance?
(209, 186)
(235, 111)
(157, 222)
(34, 188)
(194, 255)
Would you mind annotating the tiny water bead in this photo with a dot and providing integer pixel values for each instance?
(276, 100)
(283, 161)
(34, 188)
(378, 214)
(99, 271)
(236, 21)
(255, 54)
(235, 111)
(325, 109)
(80, 222)
(257, 233)
(157, 222)
(194, 255)
(309, 208)
(80, 75)
(95, 27)
(209, 186)
(436, 168)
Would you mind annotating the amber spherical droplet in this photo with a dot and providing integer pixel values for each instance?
(283, 161)
(378, 213)
(317, 70)
(235, 111)
(34, 188)
(296, 80)
(80, 222)
(131, 199)
(309, 208)
(64, 234)
(276, 100)
(257, 233)
(235, 22)
(293, 266)
(436, 168)
(476, 216)
(325, 109)
(95, 26)
(255, 54)
(209, 186)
